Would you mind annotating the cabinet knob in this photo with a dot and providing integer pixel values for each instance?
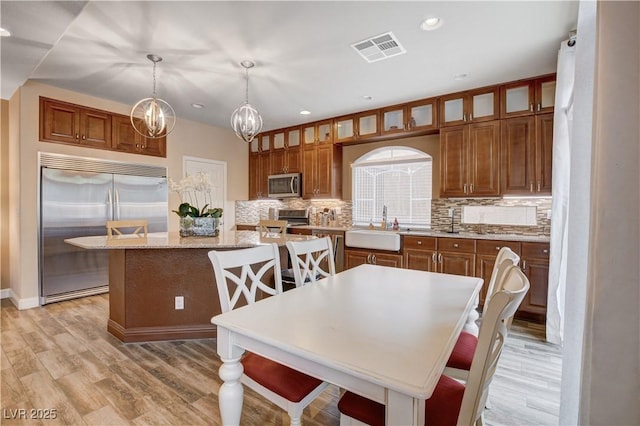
(531, 108)
(456, 245)
(545, 251)
(77, 136)
(419, 243)
(84, 137)
(498, 248)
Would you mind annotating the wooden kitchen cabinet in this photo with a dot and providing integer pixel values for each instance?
(486, 253)
(469, 160)
(259, 164)
(320, 132)
(357, 127)
(419, 253)
(534, 261)
(411, 118)
(285, 152)
(321, 171)
(528, 97)
(356, 257)
(446, 255)
(126, 139)
(526, 155)
(64, 122)
(470, 106)
(456, 256)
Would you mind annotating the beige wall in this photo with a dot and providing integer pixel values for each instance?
(188, 138)
(4, 194)
(429, 144)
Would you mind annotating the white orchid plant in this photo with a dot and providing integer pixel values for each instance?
(188, 189)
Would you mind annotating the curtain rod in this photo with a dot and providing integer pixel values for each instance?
(573, 37)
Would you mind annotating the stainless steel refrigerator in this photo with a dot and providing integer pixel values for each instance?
(77, 197)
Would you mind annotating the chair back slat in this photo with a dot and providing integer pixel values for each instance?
(241, 273)
(116, 227)
(505, 258)
(493, 333)
(311, 260)
(268, 227)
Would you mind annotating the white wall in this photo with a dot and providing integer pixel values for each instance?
(188, 138)
(601, 365)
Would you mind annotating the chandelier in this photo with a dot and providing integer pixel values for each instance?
(153, 117)
(246, 120)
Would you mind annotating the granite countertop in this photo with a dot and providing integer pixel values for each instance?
(164, 240)
(476, 236)
(438, 234)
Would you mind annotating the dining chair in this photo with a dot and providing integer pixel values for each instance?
(311, 260)
(459, 362)
(240, 274)
(117, 227)
(452, 402)
(269, 227)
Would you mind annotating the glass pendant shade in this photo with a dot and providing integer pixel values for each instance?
(153, 117)
(246, 120)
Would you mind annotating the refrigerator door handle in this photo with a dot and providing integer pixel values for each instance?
(110, 203)
(116, 213)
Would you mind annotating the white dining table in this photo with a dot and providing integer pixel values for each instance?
(384, 333)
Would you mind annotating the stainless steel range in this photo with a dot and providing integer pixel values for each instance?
(294, 216)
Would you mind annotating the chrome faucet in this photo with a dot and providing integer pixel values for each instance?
(384, 214)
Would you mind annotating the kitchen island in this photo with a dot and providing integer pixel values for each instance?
(148, 275)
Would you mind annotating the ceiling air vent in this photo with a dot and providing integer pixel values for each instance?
(380, 47)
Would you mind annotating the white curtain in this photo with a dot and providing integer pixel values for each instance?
(562, 124)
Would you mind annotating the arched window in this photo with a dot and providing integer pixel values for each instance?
(397, 177)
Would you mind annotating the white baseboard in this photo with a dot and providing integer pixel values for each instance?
(28, 303)
(21, 304)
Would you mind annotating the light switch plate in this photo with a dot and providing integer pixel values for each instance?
(179, 302)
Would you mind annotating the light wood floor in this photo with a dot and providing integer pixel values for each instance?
(61, 357)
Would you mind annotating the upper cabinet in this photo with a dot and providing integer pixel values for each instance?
(74, 124)
(318, 132)
(469, 160)
(526, 151)
(63, 122)
(410, 118)
(124, 138)
(285, 155)
(357, 127)
(527, 97)
(471, 106)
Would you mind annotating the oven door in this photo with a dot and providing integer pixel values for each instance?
(283, 186)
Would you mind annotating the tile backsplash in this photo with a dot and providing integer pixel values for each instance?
(250, 212)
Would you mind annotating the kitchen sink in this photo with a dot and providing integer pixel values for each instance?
(373, 239)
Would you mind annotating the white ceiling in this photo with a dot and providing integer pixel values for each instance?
(302, 51)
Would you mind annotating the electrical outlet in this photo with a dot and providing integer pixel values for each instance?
(179, 302)
(450, 212)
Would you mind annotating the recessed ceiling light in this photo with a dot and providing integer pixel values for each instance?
(4, 33)
(431, 24)
(305, 112)
(367, 97)
(198, 105)
(460, 76)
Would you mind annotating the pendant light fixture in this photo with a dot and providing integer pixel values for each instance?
(246, 120)
(153, 117)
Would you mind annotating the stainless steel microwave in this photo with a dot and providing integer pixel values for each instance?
(284, 186)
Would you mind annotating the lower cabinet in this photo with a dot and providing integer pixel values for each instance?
(470, 257)
(534, 261)
(486, 253)
(355, 257)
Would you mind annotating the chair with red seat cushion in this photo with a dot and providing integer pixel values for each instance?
(460, 360)
(454, 403)
(241, 274)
